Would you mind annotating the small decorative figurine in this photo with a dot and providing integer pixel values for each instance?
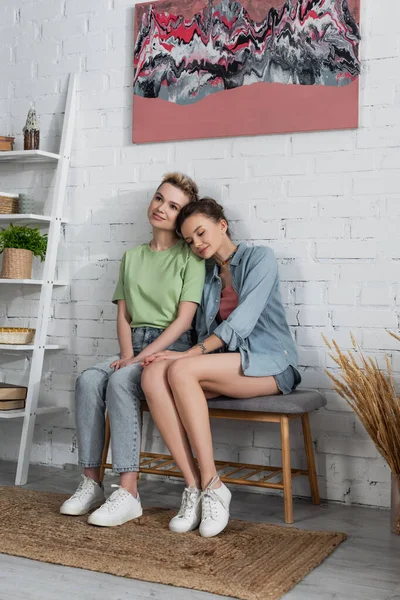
(31, 131)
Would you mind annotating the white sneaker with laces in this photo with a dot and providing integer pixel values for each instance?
(189, 515)
(118, 509)
(214, 509)
(89, 495)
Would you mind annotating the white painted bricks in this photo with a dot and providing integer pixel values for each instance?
(327, 202)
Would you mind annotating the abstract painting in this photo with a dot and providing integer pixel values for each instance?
(218, 68)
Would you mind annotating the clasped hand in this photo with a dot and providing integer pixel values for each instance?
(123, 362)
(165, 355)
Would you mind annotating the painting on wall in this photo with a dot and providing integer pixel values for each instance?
(247, 67)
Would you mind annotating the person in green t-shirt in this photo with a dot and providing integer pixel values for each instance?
(159, 288)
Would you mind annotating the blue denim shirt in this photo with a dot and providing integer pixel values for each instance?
(257, 328)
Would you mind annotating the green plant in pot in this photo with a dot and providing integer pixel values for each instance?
(19, 244)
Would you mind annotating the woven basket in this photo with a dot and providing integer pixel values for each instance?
(16, 335)
(17, 264)
(9, 204)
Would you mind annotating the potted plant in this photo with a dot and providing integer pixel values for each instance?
(19, 244)
(371, 393)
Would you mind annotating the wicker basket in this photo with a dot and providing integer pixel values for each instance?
(17, 264)
(9, 204)
(16, 335)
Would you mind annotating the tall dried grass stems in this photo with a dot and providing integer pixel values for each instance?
(372, 395)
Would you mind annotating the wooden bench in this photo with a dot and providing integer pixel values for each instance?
(266, 409)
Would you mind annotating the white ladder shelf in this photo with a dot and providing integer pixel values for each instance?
(54, 222)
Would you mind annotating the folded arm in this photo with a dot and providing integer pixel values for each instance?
(254, 295)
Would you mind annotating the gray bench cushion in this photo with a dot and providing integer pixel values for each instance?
(298, 402)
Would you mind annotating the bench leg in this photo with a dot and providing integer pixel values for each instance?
(105, 447)
(287, 473)
(312, 474)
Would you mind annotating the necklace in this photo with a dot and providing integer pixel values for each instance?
(221, 264)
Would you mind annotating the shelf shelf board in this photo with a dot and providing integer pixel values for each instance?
(29, 156)
(29, 347)
(32, 282)
(27, 219)
(42, 410)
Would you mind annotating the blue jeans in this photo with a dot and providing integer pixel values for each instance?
(120, 391)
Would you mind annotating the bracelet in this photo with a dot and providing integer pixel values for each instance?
(202, 348)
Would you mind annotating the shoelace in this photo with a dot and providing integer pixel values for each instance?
(210, 501)
(84, 488)
(190, 500)
(116, 498)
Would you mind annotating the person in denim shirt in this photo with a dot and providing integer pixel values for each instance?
(242, 327)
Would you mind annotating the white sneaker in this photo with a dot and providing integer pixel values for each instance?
(214, 509)
(89, 495)
(189, 515)
(119, 508)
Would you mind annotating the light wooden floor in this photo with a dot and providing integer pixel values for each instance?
(365, 567)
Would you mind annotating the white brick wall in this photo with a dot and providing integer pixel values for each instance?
(327, 202)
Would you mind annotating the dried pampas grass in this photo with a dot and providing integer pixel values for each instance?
(372, 395)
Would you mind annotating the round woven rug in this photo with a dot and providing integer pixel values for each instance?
(250, 561)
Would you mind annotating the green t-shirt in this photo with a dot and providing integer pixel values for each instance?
(153, 283)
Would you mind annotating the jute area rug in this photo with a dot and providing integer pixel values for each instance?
(250, 561)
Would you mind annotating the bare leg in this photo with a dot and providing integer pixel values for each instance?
(129, 481)
(93, 473)
(221, 374)
(162, 407)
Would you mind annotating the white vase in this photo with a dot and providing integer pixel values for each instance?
(395, 504)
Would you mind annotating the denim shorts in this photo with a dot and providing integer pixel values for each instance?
(288, 380)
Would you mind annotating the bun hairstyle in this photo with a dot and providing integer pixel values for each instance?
(205, 206)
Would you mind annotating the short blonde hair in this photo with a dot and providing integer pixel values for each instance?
(183, 183)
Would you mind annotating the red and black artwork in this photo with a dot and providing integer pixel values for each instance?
(244, 68)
